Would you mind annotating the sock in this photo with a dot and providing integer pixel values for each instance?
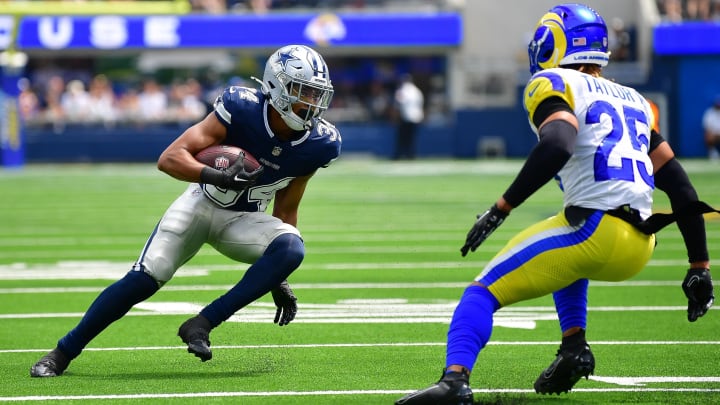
(471, 326)
(114, 302)
(574, 340)
(571, 305)
(281, 258)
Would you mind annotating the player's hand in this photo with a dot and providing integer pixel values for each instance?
(484, 226)
(698, 289)
(237, 178)
(286, 304)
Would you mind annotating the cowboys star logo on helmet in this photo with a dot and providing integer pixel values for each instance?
(284, 57)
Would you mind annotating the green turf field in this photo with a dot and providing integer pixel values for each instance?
(378, 286)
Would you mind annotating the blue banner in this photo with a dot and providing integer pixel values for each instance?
(689, 38)
(238, 31)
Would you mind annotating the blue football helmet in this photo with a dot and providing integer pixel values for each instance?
(569, 34)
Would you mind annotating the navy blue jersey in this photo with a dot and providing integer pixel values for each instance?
(244, 112)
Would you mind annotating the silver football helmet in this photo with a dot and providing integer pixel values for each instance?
(297, 74)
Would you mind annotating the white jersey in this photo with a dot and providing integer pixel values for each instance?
(610, 166)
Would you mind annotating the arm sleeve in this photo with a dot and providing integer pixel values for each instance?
(655, 140)
(547, 107)
(556, 145)
(673, 180)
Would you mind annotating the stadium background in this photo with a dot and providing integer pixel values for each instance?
(469, 58)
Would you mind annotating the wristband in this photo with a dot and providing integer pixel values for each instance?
(209, 175)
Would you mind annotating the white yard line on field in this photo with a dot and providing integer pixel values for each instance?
(366, 311)
(107, 270)
(315, 286)
(356, 345)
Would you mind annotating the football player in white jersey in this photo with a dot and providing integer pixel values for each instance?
(281, 125)
(595, 137)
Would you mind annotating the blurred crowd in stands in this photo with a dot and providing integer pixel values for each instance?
(52, 96)
(57, 101)
(689, 10)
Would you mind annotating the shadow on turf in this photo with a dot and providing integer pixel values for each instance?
(518, 400)
(167, 375)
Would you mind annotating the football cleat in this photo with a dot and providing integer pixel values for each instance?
(195, 332)
(452, 389)
(569, 366)
(52, 364)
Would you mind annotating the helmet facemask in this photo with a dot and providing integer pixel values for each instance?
(315, 99)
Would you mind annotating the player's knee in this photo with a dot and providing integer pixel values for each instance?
(150, 273)
(289, 249)
(143, 281)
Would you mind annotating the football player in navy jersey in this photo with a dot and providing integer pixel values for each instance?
(596, 138)
(281, 125)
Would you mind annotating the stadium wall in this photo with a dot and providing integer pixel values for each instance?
(88, 143)
(464, 139)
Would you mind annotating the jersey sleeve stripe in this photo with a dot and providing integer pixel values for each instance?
(221, 112)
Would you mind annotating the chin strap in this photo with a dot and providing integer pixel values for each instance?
(285, 116)
(263, 87)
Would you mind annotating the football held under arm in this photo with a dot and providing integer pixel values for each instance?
(555, 147)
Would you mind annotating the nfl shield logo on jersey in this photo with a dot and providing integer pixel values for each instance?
(222, 163)
(276, 151)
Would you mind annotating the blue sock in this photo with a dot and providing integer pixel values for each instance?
(281, 258)
(571, 305)
(471, 326)
(114, 302)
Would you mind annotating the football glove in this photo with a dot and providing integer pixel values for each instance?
(698, 289)
(484, 226)
(286, 304)
(234, 177)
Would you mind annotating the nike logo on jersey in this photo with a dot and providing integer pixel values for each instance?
(532, 92)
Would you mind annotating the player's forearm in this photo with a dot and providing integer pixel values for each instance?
(179, 165)
(673, 180)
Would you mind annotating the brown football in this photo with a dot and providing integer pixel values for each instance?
(223, 156)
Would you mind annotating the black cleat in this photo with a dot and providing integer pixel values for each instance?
(52, 364)
(452, 389)
(196, 333)
(569, 366)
